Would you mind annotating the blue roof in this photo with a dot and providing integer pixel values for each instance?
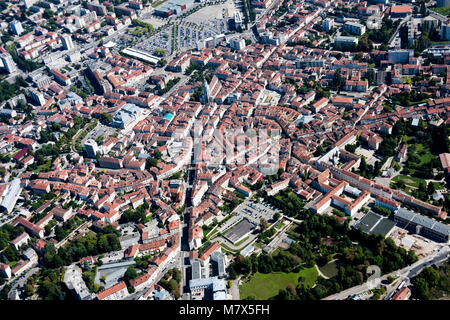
(168, 116)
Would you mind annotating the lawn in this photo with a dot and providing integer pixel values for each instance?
(292, 232)
(44, 167)
(264, 286)
(237, 244)
(445, 11)
(409, 181)
(439, 42)
(423, 153)
(212, 234)
(407, 79)
(406, 139)
(330, 269)
(438, 185)
(227, 248)
(157, 3)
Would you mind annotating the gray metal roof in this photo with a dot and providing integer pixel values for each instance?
(423, 221)
(441, 228)
(219, 257)
(196, 269)
(405, 214)
(202, 282)
(219, 285)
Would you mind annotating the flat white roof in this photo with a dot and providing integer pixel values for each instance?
(144, 55)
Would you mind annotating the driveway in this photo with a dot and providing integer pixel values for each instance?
(234, 290)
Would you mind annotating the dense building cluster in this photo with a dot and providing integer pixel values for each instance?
(315, 99)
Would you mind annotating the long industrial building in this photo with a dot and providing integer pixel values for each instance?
(421, 224)
(141, 54)
(11, 196)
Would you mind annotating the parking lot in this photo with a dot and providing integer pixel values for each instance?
(99, 130)
(112, 257)
(254, 211)
(161, 40)
(208, 13)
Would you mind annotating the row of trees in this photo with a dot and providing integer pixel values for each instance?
(136, 216)
(8, 252)
(369, 171)
(171, 282)
(283, 261)
(431, 283)
(168, 86)
(288, 202)
(8, 90)
(89, 245)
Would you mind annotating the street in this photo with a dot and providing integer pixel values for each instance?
(407, 272)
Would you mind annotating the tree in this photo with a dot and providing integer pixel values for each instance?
(105, 118)
(377, 169)
(151, 162)
(263, 224)
(162, 62)
(29, 290)
(431, 276)
(291, 289)
(421, 289)
(336, 83)
(423, 9)
(48, 14)
(363, 165)
(158, 154)
(130, 274)
(430, 188)
(159, 52)
(276, 216)
(11, 253)
(390, 279)
(401, 184)
(173, 285)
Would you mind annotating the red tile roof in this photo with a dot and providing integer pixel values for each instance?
(105, 293)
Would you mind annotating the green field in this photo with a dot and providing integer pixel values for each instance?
(409, 181)
(227, 248)
(407, 79)
(330, 269)
(438, 185)
(423, 153)
(237, 244)
(157, 3)
(445, 11)
(439, 42)
(264, 286)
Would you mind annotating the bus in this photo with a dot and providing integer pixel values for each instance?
(401, 285)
